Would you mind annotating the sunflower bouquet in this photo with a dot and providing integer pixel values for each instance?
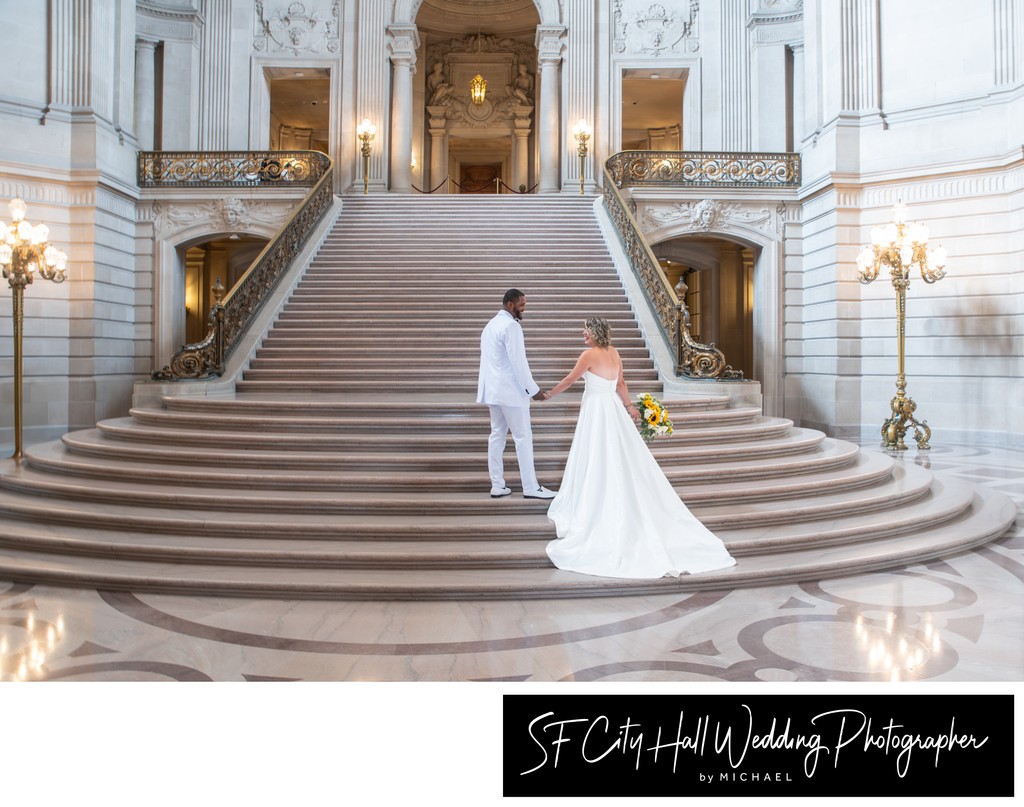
(654, 420)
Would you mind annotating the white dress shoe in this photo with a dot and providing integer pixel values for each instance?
(497, 493)
(540, 493)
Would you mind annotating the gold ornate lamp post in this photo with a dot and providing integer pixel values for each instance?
(24, 254)
(581, 132)
(900, 246)
(366, 131)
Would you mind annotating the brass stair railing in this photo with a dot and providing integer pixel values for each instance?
(232, 315)
(692, 359)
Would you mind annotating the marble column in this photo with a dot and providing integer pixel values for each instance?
(801, 126)
(579, 70)
(1009, 41)
(521, 165)
(145, 92)
(735, 90)
(403, 43)
(859, 57)
(438, 164)
(549, 59)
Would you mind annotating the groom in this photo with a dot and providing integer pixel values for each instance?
(506, 386)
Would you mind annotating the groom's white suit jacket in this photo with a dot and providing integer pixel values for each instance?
(505, 378)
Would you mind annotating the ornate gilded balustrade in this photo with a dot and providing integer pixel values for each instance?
(232, 315)
(705, 169)
(231, 169)
(692, 359)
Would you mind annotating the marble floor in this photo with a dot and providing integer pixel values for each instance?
(959, 620)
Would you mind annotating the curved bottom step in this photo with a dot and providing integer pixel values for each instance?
(988, 516)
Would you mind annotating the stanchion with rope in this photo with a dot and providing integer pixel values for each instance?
(523, 188)
(499, 183)
(419, 190)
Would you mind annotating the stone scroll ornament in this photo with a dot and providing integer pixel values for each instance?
(707, 215)
(655, 28)
(297, 28)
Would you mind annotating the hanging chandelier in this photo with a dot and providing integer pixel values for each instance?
(478, 89)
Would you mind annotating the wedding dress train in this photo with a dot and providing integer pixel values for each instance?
(616, 515)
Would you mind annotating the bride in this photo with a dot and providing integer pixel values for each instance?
(616, 515)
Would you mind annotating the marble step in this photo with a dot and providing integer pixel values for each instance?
(393, 543)
(441, 383)
(426, 515)
(331, 416)
(384, 353)
(48, 471)
(466, 366)
(444, 470)
(467, 420)
(568, 324)
(429, 404)
(478, 312)
(468, 339)
(448, 376)
(542, 282)
(126, 439)
(988, 515)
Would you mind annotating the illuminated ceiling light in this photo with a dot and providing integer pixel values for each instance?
(478, 89)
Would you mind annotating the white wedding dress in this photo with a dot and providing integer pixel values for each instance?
(616, 515)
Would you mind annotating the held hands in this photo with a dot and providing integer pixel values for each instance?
(541, 396)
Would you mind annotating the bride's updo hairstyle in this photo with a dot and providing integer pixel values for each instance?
(600, 332)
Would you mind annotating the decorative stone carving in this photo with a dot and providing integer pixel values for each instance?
(707, 215)
(782, 5)
(297, 28)
(439, 89)
(229, 214)
(653, 28)
(443, 96)
(521, 89)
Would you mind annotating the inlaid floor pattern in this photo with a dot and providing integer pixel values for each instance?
(351, 463)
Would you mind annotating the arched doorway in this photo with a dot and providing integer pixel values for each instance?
(749, 235)
(203, 264)
(475, 109)
(719, 278)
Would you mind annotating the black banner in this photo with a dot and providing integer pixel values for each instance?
(758, 745)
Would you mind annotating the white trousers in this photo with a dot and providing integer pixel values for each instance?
(517, 420)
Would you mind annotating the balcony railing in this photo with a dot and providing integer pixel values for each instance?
(692, 359)
(704, 169)
(231, 169)
(231, 316)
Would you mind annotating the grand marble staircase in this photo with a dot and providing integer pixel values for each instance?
(351, 461)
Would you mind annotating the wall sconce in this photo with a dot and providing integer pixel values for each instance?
(24, 254)
(478, 89)
(366, 131)
(581, 132)
(899, 246)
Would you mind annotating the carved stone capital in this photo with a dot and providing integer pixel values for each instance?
(403, 40)
(550, 44)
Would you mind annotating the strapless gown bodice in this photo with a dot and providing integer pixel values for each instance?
(616, 515)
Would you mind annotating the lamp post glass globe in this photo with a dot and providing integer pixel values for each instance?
(366, 131)
(899, 246)
(581, 132)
